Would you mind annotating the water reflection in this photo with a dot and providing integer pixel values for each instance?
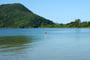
(14, 43)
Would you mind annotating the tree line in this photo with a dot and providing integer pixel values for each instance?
(74, 24)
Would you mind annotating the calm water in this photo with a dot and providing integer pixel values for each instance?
(35, 44)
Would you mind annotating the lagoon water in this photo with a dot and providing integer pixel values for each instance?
(45, 44)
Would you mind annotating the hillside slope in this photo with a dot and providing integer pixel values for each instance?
(18, 16)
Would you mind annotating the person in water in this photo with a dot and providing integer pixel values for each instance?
(45, 32)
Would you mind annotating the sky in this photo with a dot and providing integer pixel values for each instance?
(58, 11)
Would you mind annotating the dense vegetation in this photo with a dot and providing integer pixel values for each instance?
(75, 24)
(18, 16)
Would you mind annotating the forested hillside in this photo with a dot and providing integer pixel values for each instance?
(18, 16)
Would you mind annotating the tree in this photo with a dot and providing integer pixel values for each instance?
(77, 22)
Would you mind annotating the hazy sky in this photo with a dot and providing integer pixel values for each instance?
(60, 11)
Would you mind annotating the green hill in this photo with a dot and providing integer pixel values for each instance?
(18, 16)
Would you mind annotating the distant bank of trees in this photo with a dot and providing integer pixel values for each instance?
(74, 24)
